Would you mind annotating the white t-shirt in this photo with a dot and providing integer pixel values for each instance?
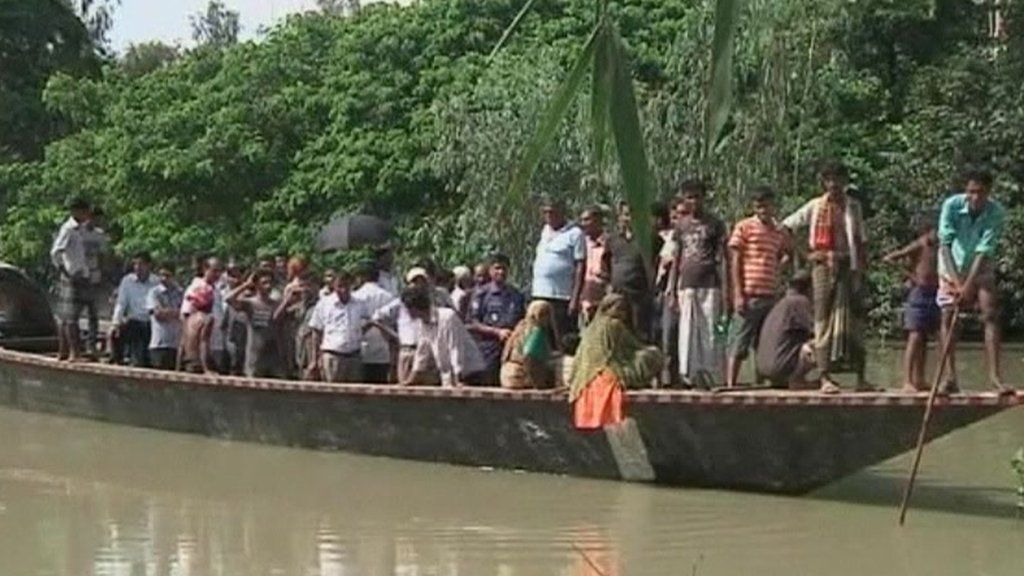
(341, 324)
(375, 346)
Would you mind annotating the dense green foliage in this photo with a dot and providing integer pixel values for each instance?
(37, 39)
(399, 111)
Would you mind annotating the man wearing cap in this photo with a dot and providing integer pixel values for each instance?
(403, 331)
(558, 266)
(464, 290)
(444, 344)
(69, 257)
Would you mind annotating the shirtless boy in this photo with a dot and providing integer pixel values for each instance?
(921, 313)
(195, 342)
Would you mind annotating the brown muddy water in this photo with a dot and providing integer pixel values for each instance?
(83, 498)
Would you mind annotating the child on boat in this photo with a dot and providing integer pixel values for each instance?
(195, 343)
(921, 314)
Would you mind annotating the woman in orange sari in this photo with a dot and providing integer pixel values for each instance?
(610, 359)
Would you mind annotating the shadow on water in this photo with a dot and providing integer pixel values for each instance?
(885, 489)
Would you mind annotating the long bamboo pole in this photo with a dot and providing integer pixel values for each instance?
(947, 346)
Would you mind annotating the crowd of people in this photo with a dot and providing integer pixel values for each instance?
(789, 290)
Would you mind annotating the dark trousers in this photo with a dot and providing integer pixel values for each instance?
(376, 373)
(564, 323)
(135, 342)
(641, 309)
(163, 358)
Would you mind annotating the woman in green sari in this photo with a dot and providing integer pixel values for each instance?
(528, 359)
(610, 359)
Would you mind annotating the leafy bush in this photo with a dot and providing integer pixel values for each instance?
(398, 111)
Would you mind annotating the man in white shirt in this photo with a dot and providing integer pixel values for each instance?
(131, 313)
(463, 293)
(386, 279)
(68, 256)
(164, 306)
(376, 353)
(213, 269)
(338, 323)
(444, 341)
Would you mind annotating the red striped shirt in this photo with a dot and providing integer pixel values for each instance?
(760, 247)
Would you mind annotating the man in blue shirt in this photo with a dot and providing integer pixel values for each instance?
(495, 310)
(559, 265)
(969, 228)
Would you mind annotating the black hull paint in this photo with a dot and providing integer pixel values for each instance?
(759, 441)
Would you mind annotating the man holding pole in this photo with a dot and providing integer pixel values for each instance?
(969, 228)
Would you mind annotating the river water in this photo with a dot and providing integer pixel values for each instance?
(84, 498)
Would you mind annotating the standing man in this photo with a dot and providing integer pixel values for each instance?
(97, 245)
(558, 266)
(665, 279)
(596, 267)
(131, 311)
(465, 288)
(970, 226)
(264, 354)
(757, 250)
(338, 323)
(497, 308)
(68, 256)
(629, 273)
(215, 329)
(164, 306)
(376, 352)
(702, 284)
(386, 278)
(838, 259)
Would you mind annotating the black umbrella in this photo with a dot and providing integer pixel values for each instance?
(351, 231)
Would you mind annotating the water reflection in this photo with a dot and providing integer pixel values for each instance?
(80, 498)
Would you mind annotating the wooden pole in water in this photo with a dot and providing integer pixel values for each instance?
(947, 346)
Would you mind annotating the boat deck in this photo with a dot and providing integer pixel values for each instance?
(738, 397)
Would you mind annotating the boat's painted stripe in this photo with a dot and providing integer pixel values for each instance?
(738, 399)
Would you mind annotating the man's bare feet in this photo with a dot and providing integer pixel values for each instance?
(949, 387)
(1003, 389)
(828, 386)
(909, 388)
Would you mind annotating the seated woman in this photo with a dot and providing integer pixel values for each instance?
(610, 359)
(527, 360)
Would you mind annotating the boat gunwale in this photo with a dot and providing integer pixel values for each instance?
(738, 398)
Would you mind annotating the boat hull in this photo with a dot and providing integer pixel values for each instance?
(761, 441)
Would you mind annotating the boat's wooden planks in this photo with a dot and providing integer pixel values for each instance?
(733, 398)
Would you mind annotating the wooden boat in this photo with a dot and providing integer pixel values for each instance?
(767, 441)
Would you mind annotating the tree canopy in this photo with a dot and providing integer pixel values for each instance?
(247, 147)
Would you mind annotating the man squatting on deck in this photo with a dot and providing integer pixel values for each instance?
(713, 296)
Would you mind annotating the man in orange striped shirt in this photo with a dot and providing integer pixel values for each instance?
(757, 249)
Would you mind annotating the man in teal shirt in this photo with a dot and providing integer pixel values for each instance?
(969, 230)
